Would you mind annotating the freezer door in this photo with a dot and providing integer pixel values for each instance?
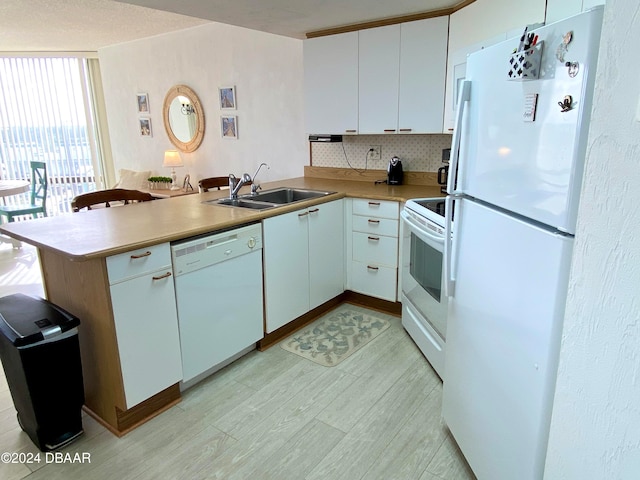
(535, 167)
(503, 339)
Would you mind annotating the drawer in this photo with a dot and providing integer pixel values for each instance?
(377, 226)
(138, 262)
(375, 280)
(375, 248)
(376, 208)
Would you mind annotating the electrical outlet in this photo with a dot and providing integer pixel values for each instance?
(375, 152)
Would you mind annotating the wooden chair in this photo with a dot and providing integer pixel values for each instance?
(207, 184)
(107, 196)
(38, 203)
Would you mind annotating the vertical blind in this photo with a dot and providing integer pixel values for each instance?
(45, 116)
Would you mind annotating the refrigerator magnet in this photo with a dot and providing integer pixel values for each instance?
(530, 103)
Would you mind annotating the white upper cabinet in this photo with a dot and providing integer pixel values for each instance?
(331, 84)
(378, 79)
(560, 9)
(381, 80)
(402, 77)
(423, 62)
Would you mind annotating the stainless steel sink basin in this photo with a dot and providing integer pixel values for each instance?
(288, 195)
(241, 202)
(270, 198)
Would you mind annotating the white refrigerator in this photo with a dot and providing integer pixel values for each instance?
(518, 149)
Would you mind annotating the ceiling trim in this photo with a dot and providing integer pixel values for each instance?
(389, 21)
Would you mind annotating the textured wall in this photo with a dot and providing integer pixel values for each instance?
(595, 430)
(419, 153)
(266, 70)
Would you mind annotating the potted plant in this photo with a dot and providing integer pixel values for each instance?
(159, 183)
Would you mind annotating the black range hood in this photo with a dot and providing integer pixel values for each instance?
(325, 138)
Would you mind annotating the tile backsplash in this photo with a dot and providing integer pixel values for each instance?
(418, 153)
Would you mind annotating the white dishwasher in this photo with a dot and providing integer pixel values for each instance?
(218, 283)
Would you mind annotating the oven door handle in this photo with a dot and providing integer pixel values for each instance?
(449, 279)
(435, 241)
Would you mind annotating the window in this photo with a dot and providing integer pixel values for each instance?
(46, 115)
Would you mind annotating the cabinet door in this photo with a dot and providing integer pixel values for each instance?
(378, 82)
(423, 63)
(286, 267)
(331, 83)
(146, 321)
(326, 252)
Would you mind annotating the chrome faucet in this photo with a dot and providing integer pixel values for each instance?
(235, 184)
(256, 186)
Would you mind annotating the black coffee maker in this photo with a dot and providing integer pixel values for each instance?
(443, 172)
(394, 172)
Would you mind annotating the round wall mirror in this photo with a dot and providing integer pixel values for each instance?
(183, 118)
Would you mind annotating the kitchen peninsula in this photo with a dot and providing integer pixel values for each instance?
(80, 252)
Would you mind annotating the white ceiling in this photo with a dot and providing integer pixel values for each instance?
(86, 25)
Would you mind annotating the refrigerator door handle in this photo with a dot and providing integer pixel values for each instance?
(449, 279)
(454, 171)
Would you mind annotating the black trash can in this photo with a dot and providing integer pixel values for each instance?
(40, 355)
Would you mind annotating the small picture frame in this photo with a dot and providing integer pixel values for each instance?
(145, 127)
(186, 184)
(229, 124)
(143, 103)
(227, 97)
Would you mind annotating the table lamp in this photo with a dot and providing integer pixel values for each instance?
(172, 159)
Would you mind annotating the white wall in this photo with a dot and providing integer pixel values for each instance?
(595, 430)
(267, 72)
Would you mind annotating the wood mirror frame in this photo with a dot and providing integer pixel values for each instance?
(198, 135)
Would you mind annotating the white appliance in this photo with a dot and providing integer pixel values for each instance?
(518, 149)
(424, 304)
(218, 280)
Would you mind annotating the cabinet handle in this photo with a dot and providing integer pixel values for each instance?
(406, 129)
(303, 214)
(374, 204)
(166, 275)
(375, 269)
(371, 220)
(314, 210)
(389, 130)
(373, 239)
(142, 255)
(350, 131)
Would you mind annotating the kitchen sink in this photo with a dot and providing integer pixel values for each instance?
(270, 198)
(288, 195)
(241, 202)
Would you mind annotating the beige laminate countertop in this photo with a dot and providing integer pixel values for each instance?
(108, 231)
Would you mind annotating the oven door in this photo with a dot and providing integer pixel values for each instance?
(422, 274)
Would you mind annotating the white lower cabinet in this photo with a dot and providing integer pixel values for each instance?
(146, 321)
(373, 265)
(303, 261)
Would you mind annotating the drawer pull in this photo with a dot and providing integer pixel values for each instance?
(374, 204)
(142, 255)
(375, 269)
(374, 239)
(406, 129)
(350, 131)
(303, 214)
(314, 210)
(166, 275)
(389, 130)
(371, 220)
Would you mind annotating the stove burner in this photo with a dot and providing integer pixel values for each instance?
(435, 205)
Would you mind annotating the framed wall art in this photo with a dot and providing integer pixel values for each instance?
(227, 98)
(229, 124)
(145, 127)
(143, 103)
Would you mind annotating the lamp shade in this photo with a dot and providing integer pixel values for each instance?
(172, 159)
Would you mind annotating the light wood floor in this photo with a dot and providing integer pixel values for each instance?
(269, 415)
